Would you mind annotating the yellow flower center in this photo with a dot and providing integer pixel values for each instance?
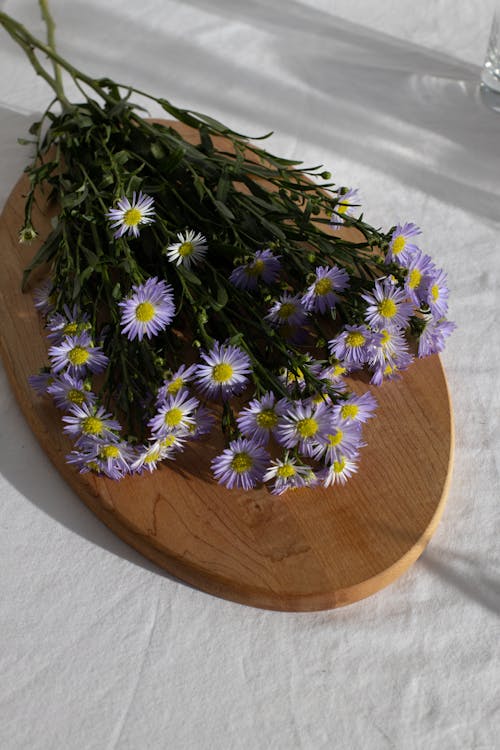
(349, 411)
(78, 356)
(307, 427)
(256, 268)
(286, 310)
(70, 329)
(132, 217)
(175, 386)
(335, 439)
(267, 419)
(414, 278)
(92, 426)
(241, 462)
(144, 312)
(109, 451)
(76, 396)
(386, 337)
(173, 417)
(94, 466)
(187, 248)
(398, 245)
(294, 377)
(387, 308)
(354, 339)
(389, 369)
(339, 466)
(222, 372)
(338, 370)
(342, 208)
(153, 456)
(286, 471)
(168, 441)
(323, 286)
(435, 292)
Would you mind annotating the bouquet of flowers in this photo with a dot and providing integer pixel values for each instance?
(210, 286)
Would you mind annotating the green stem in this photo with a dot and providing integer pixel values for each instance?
(51, 27)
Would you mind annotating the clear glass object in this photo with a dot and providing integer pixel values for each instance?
(490, 74)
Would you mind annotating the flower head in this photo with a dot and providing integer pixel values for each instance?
(288, 310)
(437, 293)
(338, 472)
(190, 248)
(225, 371)
(420, 268)
(389, 356)
(345, 206)
(303, 425)
(77, 354)
(149, 310)
(68, 391)
(264, 266)
(260, 418)
(356, 408)
(43, 296)
(70, 322)
(113, 459)
(342, 439)
(288, 474)
(148, 456)
(241, 465)
(401, 247)
(175, 383)
(176, 414)
(322, 295)
(353, 345)
(41, 381)
(432, 339)
(130, 215)
(90, 422)
(387, 307)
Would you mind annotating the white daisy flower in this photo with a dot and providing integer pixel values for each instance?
(130, 215)
(191, 248)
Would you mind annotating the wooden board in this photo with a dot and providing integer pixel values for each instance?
(306, 550)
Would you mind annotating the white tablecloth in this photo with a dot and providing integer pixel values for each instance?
(98, 649)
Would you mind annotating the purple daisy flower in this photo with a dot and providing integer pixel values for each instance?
(68, 391)
(288, 474)
(149, 310)
(322, 295)
(334, 374)
(432, 339)
(204, 421)
(338, 472)
(41, 382)
(288, 310)
(437, 293)
(43, 298)
(149, 456)
(241, 465)
(342, 439)
(130, 215)
(260, 418)
(387, 307)
(225, 371)
(347, 203)
(112, 459)
(303, 425)
(77, 354)
(356, 408)
(390, 356)
(175, 383)
(264, 266)
(353, 346)
(176, 414)
(90, 421)
(68, 323)
(401, 248)
(420, 268)
(191, 248)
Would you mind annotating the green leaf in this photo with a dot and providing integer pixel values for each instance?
(224, 210)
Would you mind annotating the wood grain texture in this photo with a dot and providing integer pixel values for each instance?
(306, 550)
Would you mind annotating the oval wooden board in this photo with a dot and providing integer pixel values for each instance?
(306, 550)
